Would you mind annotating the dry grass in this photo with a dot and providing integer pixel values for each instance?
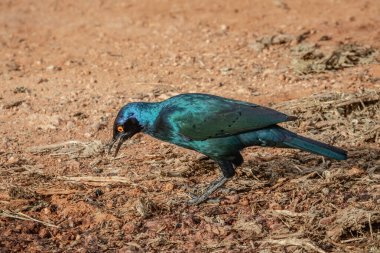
(280, 199)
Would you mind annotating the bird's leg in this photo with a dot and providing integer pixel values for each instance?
(210, 189)
(228, 172)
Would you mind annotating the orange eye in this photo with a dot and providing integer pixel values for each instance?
(120, 129)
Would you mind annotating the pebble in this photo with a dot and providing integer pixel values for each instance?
(12, 160)
(224, 28)
(53, 68)
(226, 71)
(43, 233)
(46, 211)
(168, 187)
(87, 135)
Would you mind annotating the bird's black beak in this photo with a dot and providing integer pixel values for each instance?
(128, 129)
(120, 139)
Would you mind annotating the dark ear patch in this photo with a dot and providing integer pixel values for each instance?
(132, 121)
(132, 124)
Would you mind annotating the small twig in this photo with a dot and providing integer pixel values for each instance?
(118, 157)
(48, 192)
(283, 236)
(100, 180)
(353, 240)
(288, 213)
(113, 179)
(21, 216)
(303, 243)
(370, 225)
(56, 146)
(298, 168)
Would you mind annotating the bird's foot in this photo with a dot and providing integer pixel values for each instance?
(210, 189)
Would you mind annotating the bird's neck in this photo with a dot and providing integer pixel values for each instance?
(148, 114)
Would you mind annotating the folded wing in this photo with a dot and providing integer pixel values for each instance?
(201, 116)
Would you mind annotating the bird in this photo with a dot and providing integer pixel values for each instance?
(217, 127)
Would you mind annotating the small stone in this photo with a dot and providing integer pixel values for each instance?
(163, 96)
(12, 160)
(46, 211)
(43, 233)
(224, 28)
(226, 71)
(53, 68)
(70, 222)
(281, 39)
(168, 187)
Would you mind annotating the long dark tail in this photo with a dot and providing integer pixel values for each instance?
(277, 136)
(315, 147)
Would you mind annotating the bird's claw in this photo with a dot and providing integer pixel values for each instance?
(210, 189)
(197, 200)
(194, 199)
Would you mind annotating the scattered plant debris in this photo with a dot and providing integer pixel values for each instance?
(309, 58)
(73, 149)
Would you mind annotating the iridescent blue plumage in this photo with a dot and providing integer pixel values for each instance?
(216, 127)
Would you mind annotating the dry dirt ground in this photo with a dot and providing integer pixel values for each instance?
(66, 67)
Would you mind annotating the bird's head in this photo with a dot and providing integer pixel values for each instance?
(125, 126)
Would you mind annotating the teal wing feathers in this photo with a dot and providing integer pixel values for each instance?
(201, 116)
